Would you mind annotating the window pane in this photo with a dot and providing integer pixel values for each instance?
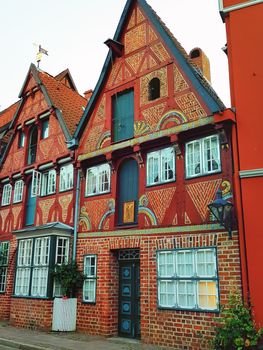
(62, 250)
(6, 195)
(89, 286)
(207, 295)
(166, 264)
(166, 293)
(186, 294)
(185, 263)
(89, 290)
(206, 264)
(39, 281)
(18, 191)
(22, 281)
(168, 164)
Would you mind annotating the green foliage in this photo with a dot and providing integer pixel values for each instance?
(69, 277)
(236, 330)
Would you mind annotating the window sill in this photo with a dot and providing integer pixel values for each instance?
(126, 226)
(31, 297)
(66, 190)
(160, 183)
(97, 194)
(203, 175)
(189, 310)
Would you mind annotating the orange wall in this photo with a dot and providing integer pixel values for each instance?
(227, 3)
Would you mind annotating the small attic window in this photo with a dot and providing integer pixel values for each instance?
(154, 89)
(195, 53)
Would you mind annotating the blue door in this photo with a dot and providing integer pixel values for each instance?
(128, 182)
(123, 115)
(30, 206)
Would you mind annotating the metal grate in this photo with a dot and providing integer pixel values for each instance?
(129, 254)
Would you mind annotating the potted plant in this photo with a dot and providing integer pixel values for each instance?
(70, 278)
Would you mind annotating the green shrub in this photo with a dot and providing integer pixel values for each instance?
(236, 329)
(69, 277)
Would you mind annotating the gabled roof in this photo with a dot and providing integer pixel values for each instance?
(7, 114)
(68, 103)
(65, 75)
(212, 101)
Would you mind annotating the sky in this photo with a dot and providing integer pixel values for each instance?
(73, 32)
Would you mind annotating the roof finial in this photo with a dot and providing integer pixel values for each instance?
(41, 51)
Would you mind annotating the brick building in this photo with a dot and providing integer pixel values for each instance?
(154, 148)
(37, 202)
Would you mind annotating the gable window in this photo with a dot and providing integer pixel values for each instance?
(6, 195)
(90, 272)
(48, 182)
(98, 180)
(34, 262)
(21, 139)
(66, 177)
(4, 253)
(203, 156)
(45, 129)
(187, 279)
(18, 191)
(32, 146)
(161, 166)
(123, 115)
(154, 89)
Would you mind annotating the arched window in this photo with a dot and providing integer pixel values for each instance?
(128, 184)
(32, 146)
(154, 89)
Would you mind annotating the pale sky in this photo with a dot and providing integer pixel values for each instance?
(73, 32)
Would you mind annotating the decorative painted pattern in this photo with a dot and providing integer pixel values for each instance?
(100, 114)
(84, 220)
(95, 209)
(3, 214)
(140, 128)
(161, 74)
(114, 72)
(160, 201)
(140, 16)
(175, 220)
(132, 20)
(45, 206)
(93, 137)
(135, 38)
(172, 116)
(16, 212)
(160, 52)
(34, 105)
(103, 139)
(188, 241)
(151, 35)
(153, 115)
(226, 189)
(202, 193)
(190, 106)
(179, 83)
(187, 221)
(64, 202)
(30, 85)
(134, 61)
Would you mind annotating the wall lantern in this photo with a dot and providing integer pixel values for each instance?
(222, 210)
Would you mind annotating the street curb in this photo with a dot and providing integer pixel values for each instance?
(22, 346)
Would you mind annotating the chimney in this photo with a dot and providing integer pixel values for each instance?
(87, 94)
(201, 61)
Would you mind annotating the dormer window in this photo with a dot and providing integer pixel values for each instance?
(32, 146)
(154, 89)
(45, 129)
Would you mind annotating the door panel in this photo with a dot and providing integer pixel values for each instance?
(129, 299)
(128, 189)
(123, 115)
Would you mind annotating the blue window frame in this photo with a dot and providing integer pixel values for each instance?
(45, 129)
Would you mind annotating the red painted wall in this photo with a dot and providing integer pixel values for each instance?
(245, 51)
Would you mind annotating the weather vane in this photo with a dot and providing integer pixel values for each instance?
(41, 51)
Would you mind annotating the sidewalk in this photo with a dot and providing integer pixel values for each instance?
(11, 337)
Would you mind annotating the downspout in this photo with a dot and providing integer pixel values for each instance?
(76, 214)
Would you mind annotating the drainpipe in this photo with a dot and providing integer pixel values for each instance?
(76, 214)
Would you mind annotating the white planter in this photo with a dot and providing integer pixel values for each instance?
(64, 314)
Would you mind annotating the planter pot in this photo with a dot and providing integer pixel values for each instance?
(64, 314)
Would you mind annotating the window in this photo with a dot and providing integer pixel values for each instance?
(18, 191)
(6, 195)
(203, 156)
(123, 115)
(154, 89)
(62, 254)
(4, 252)
(187, 279)
(45, 129)
(21, 139)
(161, 166)
(90, 272)
(35, 259)
(66, 177)
(98, 180)
(32, 146)
(48, 182)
